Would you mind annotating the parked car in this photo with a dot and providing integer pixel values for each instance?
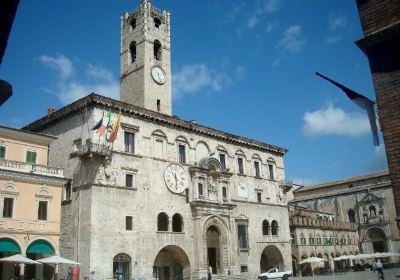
(275, 274)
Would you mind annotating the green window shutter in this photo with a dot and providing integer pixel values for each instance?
(31, 157)
(2, 152)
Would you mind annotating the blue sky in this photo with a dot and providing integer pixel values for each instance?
(245, 67)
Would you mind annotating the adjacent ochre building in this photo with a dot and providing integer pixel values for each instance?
(30, 201)
(168, 198)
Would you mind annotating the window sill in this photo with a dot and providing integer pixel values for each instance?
(128, 154)
(170, 232)
(244, 249)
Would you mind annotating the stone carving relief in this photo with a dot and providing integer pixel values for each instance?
(107, 175)
(212, 189)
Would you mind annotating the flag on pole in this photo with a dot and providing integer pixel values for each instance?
(98, 124)
(114, 132)
(105, 123)
(363, 102)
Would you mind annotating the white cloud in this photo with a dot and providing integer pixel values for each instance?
(193, 78)
(69, 87)
(263, 7)
(269, 27)
(269, 6)
(59, 63)
(251, 22)
(335, 121)
(333, 39)
(336, 22)
(292, 40)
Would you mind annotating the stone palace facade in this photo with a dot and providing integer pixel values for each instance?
(168, 198)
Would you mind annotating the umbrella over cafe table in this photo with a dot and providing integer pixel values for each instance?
(18, 259)
(57, 260)
(312, 260)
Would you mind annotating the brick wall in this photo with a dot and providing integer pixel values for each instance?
(380, 20)
(376, 14)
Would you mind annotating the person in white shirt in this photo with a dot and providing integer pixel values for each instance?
(379, 267)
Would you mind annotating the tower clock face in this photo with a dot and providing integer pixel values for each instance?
(158, 75)
(175, 178)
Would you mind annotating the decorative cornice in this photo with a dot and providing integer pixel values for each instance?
(95, 100)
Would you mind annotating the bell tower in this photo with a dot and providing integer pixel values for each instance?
(146, 59)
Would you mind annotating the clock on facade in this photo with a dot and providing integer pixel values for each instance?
(175, 178)
(158, 75)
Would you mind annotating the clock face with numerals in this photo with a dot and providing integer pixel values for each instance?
(175, 178)
(158, 75)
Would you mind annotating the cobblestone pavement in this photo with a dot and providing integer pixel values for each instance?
(360, 275)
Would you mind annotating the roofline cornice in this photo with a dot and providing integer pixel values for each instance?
(93, 100)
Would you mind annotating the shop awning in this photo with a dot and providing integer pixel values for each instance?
(40, 247)
(8, 245)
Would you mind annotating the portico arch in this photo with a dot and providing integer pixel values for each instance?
(377, 237)
(170, 263)
(215, 244)
(271, 257)
(122, 266)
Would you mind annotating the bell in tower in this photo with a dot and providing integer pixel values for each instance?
(146, 58)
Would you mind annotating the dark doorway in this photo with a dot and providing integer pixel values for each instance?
(212, 259)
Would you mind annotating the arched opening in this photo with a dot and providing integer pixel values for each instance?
(265, 227)
(177, 223)
(274, 227)
(162, 222)
(37, 250)
(213, 249)
(8, 247)
(271, 257)
(352, 216)
(372, 210)
(171, 263)
(133, 23)
(157, 50)
(377, 237)
(157, 22)
(121, 266)
(132, 51)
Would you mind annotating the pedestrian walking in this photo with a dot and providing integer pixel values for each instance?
(91, 276)
(379, 268)
(209, 277)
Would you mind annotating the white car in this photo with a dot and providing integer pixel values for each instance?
(275, 274)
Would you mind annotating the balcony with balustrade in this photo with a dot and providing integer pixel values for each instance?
(29, 168)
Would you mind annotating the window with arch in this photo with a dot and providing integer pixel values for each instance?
(222, 156)
(240, 159)
(132, 51)
(9, 194)
(182, 149)
(274, 227)
(265, 227)
(162, 222)
(271, 169)
(177, 223)
(372, 210)
(157, 22)
(303, 239)
(157, 49)
(132, 23)
(352, 216)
